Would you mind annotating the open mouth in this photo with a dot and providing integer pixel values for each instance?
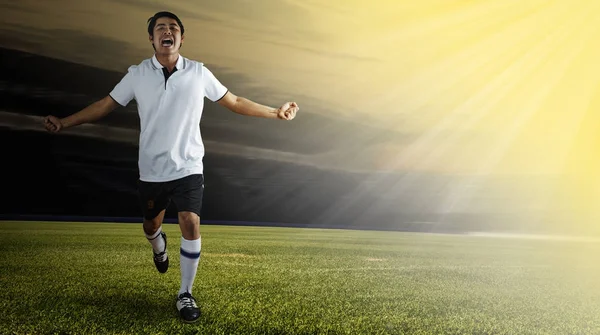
(167, 42)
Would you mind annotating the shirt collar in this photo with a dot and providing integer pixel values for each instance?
(157, 65)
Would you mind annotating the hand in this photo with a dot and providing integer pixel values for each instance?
(53, 124)
(288, 111)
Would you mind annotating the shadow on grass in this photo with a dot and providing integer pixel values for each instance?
(126, 311)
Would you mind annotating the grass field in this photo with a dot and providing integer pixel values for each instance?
(85, 278)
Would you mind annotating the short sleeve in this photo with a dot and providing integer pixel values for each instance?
(213, 89)
(123, 92)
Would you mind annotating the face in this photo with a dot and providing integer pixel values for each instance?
(167, 37)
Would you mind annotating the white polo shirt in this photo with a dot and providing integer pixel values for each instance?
(170, 110)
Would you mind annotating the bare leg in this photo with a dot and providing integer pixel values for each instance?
(189, 224)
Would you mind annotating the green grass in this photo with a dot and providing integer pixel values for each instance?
(87, 278)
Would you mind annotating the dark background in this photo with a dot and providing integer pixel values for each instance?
(93, 173)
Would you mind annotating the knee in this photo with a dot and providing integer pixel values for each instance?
(190, 221)
(151, 226)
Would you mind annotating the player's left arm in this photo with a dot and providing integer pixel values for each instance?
(244, 106)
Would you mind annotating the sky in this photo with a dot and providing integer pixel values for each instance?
(468, 87)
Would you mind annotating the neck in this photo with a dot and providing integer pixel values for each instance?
(168, 61)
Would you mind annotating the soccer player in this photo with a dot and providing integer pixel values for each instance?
(169, 90)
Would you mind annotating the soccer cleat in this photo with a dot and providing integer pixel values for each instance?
(161, 260)
(188, 310)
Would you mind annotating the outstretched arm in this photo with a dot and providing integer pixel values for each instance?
(244, 106)
(91, 113)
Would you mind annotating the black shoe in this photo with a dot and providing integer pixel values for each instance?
(161, 260)
(188, 310)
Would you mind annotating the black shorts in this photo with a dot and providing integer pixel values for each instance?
(186, 194)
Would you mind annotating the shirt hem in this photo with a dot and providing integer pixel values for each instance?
(164, 179)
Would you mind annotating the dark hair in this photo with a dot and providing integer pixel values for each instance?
(152, 21)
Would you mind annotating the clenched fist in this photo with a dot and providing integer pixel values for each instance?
(52, 124)
(288, 111)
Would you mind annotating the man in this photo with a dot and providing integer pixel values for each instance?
(170, 90)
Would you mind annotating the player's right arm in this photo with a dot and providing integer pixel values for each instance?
(91, 113)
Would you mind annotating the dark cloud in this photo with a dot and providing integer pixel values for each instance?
(18, 7)
(73, 45)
